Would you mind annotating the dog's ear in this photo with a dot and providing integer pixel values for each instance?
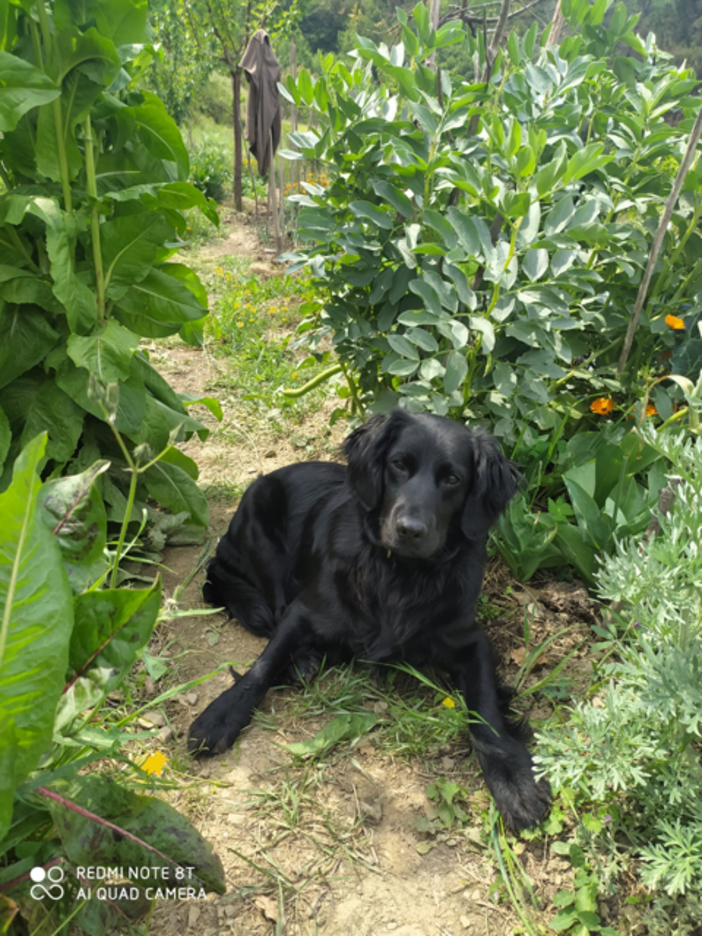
(495, 482)
(365, 451)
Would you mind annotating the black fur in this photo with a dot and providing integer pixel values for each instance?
(383, 561)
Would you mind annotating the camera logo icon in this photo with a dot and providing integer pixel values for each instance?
(53, 875)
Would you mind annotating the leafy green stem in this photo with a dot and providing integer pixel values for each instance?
(91, 182)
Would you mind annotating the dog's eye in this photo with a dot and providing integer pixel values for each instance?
(452, 480)
(398, 464)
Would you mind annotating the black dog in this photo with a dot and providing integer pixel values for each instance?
(382, 560)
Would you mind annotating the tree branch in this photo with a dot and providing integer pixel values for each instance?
(658, 239)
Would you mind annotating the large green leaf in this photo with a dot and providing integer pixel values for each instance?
(151, 829)
(77, 298)
(36, 619)
(5, 437)
(78, 94)
(175, 490)
(159, 305)
(75, 381)
(111, 627)
(33, 404)
(108, 353)
(22, 87)
(75, 514)
(95, 56)
(26, 337)
(130, 245)
(161, 135)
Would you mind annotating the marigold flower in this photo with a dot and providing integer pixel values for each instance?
(448, 702)
(672, 321)
(155, 763)
(602, 405)
(651, 410)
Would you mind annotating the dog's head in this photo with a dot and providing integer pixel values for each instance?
(429, 479)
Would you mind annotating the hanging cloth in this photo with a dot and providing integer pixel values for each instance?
(263, 118)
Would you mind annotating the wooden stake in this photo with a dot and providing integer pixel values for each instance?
(272, 196)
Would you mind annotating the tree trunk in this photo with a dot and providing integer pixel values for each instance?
(238, 161)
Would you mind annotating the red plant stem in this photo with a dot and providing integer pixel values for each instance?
(8, 885)
(103, 822)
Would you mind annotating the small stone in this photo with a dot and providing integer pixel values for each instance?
(230, 912)
(193, 916)
(447, 763)
(149, 686)
(156, 718)
(166, 734)
(465, 922)
(271, 453)
(192, 698)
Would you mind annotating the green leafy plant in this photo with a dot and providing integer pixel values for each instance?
(577, 908)
(95, 175)
(602, 474)
(65, 643)
(480, 244)
(633, 747)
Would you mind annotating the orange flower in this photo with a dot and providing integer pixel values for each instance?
(602, 405)
(651, 410)
(672, 321)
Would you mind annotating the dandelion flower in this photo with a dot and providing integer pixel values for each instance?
(448, 702)
(239, 324)
(219, 271)
(229, 277)
(155, 763)
(294, 375)
(672, 321)
(602, 406)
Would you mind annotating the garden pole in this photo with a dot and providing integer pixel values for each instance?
(271, 195)
(658, 239)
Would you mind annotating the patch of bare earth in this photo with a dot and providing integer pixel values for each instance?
(331, 848)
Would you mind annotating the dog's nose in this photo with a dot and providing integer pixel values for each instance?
(410, 529)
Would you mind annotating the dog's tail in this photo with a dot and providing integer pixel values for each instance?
(227, 589)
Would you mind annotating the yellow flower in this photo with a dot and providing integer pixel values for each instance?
(448, 702)
(672, 321)
(239, 324)
(283, 308)
(229, 277)
(219, 271)
(294, 375)
(651, 410)
(251, 320)
(155, 763)
(283, 319)
(602, 405)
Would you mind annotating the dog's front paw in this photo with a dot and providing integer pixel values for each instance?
(219, 725)
(509, 773)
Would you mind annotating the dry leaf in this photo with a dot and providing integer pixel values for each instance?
(517, 655)
(268, 907)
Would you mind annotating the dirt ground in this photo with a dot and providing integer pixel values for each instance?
(336, 847)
